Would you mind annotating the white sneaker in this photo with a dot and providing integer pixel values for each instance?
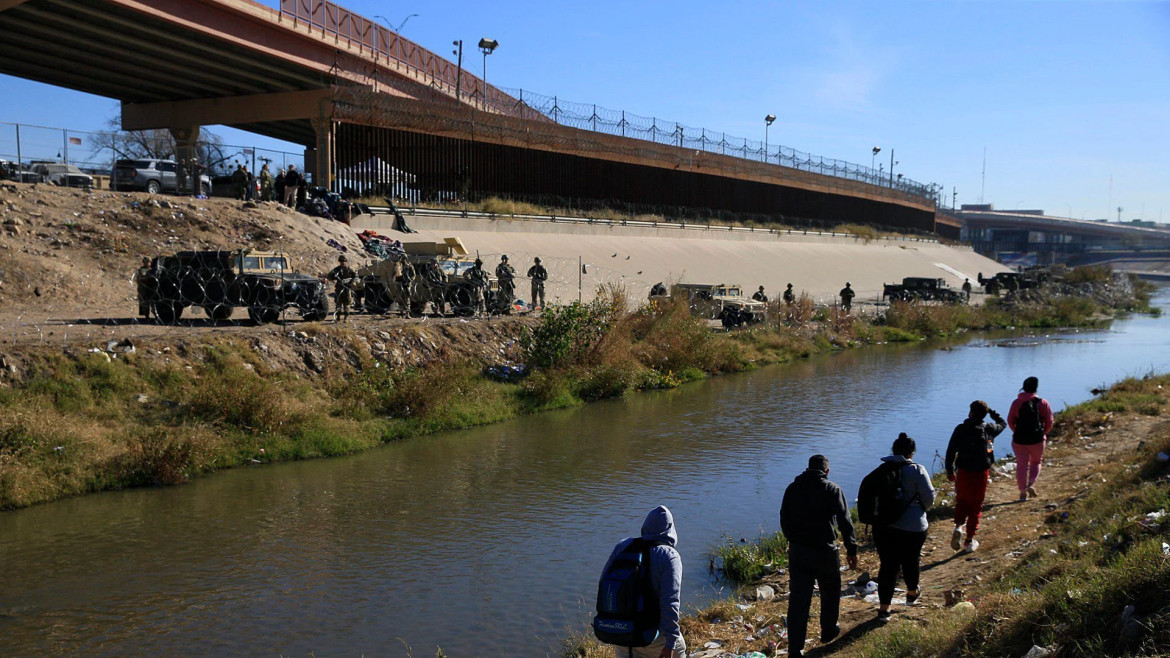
(971, 546)
(957, 538)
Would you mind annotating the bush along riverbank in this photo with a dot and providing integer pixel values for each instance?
(82, 419)
(1081, 570)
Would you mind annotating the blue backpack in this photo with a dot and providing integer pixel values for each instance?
(627, 606)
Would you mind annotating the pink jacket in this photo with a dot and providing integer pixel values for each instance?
(1045, 412)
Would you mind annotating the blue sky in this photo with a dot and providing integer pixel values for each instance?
(1071, 100)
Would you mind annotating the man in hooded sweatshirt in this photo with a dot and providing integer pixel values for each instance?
(812, 512)
(665, 580)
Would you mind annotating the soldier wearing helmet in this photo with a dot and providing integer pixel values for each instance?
(847, 295)
(506, 274)
(538, 275)
(345, 280)
(479, 285)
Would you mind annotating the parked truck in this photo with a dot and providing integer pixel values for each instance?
(917, 288)
(428, 273)
(220, 281)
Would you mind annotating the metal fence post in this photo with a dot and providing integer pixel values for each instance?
(18, 158)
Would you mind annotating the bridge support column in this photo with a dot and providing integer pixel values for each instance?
(321, 156)
(187, 157)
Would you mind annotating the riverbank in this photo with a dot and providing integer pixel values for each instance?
(161, 411)
(1081, 570)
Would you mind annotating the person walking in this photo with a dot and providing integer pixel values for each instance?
(538, 275)
(665, 575)
(811, 514)
(292, 183)
(1031, 420)
(970, 455)
(343, 276)
(847, 296)
(506, 275)
(899, 544)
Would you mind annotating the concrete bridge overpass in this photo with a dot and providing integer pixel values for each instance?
(379, 113)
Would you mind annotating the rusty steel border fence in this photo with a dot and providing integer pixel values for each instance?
(333, 19)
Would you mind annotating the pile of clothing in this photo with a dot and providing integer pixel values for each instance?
(381, 247)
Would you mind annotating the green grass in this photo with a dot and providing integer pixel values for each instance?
(746, 561)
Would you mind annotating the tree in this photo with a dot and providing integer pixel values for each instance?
(156, 144)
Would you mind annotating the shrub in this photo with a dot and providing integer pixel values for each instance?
(743, 562)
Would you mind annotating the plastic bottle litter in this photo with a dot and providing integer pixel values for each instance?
(871, 587)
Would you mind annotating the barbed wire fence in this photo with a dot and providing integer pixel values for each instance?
(95, 152)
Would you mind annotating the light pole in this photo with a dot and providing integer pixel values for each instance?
(767, 122)
(486, 46)
(458, 71)
(876, 150)
(892, 163)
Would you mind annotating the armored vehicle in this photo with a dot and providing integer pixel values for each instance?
(428, 272)
(221, 281)
(915, 288)
(722, 302)
(1033, 277)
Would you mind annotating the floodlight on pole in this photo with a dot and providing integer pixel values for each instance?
(876, 150)
(487, 46)
(458, 43)
(767, 122)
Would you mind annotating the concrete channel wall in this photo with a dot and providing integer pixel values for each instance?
(639, 254)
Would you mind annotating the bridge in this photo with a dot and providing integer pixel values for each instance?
(1029, 237)
(379, 114)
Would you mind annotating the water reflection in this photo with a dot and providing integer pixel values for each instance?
(473, 539)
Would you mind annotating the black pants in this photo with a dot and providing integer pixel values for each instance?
(807, 565)
(897, 550)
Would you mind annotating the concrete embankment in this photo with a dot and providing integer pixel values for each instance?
(640, 256)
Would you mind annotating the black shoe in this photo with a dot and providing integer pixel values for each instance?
(883, 616)
(830, 635)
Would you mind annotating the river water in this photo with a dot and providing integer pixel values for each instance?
(488, 542)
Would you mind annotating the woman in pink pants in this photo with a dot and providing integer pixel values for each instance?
(1030, 419)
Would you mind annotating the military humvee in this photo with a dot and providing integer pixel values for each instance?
(921, 288)
(220, 281)
(429, 272)
(722, 302)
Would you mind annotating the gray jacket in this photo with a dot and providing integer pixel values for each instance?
(665, 572)
(915, 483)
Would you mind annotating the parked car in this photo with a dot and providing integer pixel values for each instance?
(13, 171)
(63, 174)
(153, 175)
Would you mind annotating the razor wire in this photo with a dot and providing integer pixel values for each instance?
(594, 118)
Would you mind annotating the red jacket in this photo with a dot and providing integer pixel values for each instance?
(1045, 412)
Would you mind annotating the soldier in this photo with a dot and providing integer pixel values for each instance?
(240, 182)
(146, 281)
(760, 296)
(265, 183)
(344, 277)
(789, 296)
(197, 177)
(967, 290)
(847, 295)
(507, 277)
(181, 177)
(538, 275)
(479, 283)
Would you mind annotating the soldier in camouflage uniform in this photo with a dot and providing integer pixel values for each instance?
(507, 277)
(789, 296)
(479, 283)
(344, 277)
(538, 275)
(847, 296)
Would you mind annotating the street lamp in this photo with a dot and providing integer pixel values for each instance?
(486, 46)
(767, 122)
(876, 150)
(458, 71)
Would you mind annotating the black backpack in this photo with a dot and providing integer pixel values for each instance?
(627, 607)
(879, 498)
(1029, 427)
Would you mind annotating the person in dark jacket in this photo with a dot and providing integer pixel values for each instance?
(666, 572)
(899, 544)
(292, 184)
(811, 514)
(970, 455)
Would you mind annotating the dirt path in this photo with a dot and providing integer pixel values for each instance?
(1073, 465)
